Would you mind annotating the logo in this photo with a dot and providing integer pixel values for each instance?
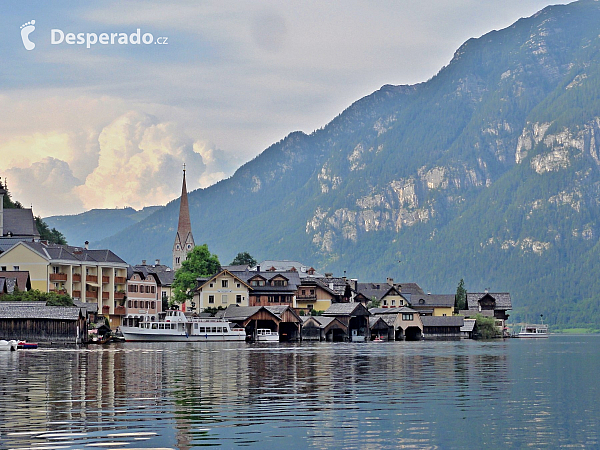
(26, 30)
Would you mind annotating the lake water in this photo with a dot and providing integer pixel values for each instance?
(464, 394)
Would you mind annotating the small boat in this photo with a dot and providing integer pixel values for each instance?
(26, 345)
(533, 331)
(175, 326)
(8, 346)
(378, 339)
(266, 335)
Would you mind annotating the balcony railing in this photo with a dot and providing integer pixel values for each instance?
(306, 297)
(59, 291)
(119, 295)
(105, 296)
(58, 277)
(105, 309)
(91, 294)
(120, 280)
(91, 278)
(77, 277)
(77, 294)
(104, 279)
(120, 310)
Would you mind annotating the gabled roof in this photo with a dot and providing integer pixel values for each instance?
(347, 309)
(20, 223)
(222, 272)
(442, 321)
(468, 326)
(238, 268)
(286, 265)
(410, 288)
(292, 278)
(337, 285)
(235, 313)
(376, 290)
(403, 309)
(503, 301)
(373, 320)
(40, 312)
(165, 274)
(433, 300)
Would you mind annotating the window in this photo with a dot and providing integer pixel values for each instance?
(16, 268)
(153, 305)
(312, 292)
(177, 260)
(443, 315)
(3, 268)
(129, 304)
(224, 298)
(135, 304)
(211, 285)
(224, 283)
(278, 282)
(393, 302)
(211, 299)
(55, 269)
(407, 316)
(153, 289)
(239, 285)
(238, 299)
(303, 292)
(385, 303)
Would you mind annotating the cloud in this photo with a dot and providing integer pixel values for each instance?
(47, 184)
(140, 163)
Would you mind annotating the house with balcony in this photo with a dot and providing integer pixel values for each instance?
(273, 288)
(438, 305)
(92, 276)
(313, 294)
(387, 294)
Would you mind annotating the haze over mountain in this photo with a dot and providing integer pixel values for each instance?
(490, 172)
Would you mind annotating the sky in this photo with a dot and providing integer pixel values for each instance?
(109, 122)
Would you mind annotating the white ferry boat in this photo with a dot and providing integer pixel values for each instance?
(266, 335)
(175, 326)
(533, 331)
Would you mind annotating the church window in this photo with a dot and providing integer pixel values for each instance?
(189, 246)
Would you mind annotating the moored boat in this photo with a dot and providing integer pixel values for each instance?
(175, 326)
(8, 345)
(266, 335)
(533, 331)
(26, 345)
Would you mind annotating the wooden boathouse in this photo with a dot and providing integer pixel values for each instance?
(45, 324)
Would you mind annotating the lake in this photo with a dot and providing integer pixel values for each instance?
(456, 394)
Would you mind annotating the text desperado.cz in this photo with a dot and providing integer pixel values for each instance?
(58, 37)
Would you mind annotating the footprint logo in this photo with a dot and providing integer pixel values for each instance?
(26, 30)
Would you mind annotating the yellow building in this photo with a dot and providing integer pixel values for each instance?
(387, 294)
(315, 295)
(433, 304)
(223, 289)
(93, 276)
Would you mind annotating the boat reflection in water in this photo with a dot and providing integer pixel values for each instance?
(175, 326)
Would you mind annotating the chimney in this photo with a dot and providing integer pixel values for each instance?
(157, 262)
(328, 274)
(390, 281)
(258, 268)
(87, 245)
(143, 262)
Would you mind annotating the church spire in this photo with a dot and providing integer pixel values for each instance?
(184, 241)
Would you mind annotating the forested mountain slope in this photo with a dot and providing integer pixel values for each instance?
(490, 172)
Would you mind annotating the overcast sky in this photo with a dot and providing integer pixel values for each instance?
(110, 125)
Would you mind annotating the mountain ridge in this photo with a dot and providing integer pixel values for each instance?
(489, 171)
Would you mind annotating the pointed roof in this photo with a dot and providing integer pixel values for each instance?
(185, 225)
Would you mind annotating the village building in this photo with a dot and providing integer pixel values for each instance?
(314, 294)
(355, 316)
(404, 323)
(16, 224)
(143, 296)
(281, 319)
(490, 304)
(164, 276)
(272, 265)
(433, 304)
(323, 328)
(442, 327)
(33, 322)
(97, 276)
(386, 294)
(18, 280)
(184, 240)
(223, 289)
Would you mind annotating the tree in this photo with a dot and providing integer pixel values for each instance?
(244, 259)
(460, 301)
(34, 295)
(199, 263)
(486, 327)
(374, 303)
(47, 234)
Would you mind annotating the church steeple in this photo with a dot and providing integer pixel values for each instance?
(184, 241)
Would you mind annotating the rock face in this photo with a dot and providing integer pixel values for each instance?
(490, 171)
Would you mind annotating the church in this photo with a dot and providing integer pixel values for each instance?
(184, 240)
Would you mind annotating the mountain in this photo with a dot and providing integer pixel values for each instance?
(489, 171)
(97, 224)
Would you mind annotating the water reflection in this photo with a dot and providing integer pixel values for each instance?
(318, 395)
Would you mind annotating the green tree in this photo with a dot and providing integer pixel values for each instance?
(244, 259)
(34, 295)
(486, 327)
(374, 303)
(199, 263)
(47, 234)
(460, 301)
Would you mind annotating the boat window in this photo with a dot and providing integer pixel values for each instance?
(154, 326)
(202, 330)
(213, 329)
(196, 326)
(161, 326)
(225, 330)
